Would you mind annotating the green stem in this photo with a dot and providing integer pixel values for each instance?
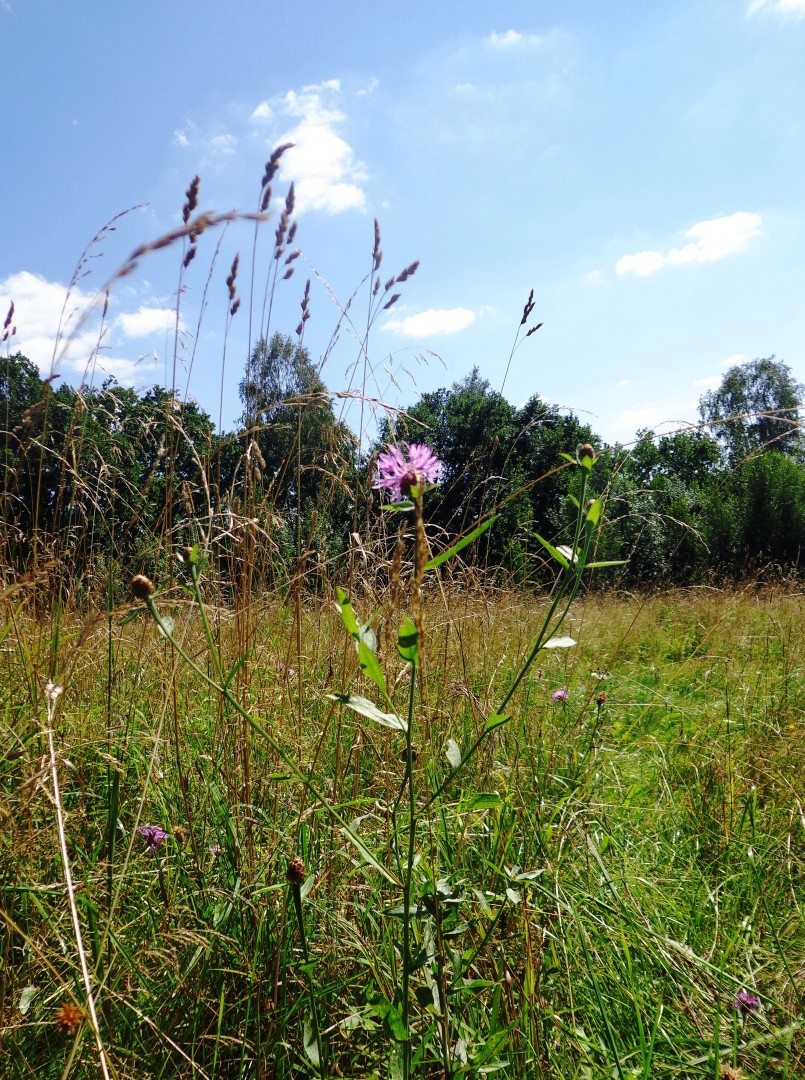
(296, 893)
(409, 873)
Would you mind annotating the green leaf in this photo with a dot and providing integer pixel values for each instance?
(368, 857)
(559, 643)
(443, 556)
(496, 720)
(311, 1042)
(555, 552)
(453, 753)
(408, 642)
(367, 708)
(594, 513)
(482, 800)
(370, 666)
(26, 997)
(347, 614)
(608, 562)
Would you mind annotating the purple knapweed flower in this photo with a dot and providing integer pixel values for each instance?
(152, 835)
(214, 850)
(560, 695)
(398, 474)
(746, 1002)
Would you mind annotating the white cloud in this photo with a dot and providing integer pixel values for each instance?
(594, 278)
(263, 112)
(432, 322)
(145, 321)
(709, 382)
(54, 326)
(180, 139)
(321, 162)
(624, 382)
(734, 360)
(511, 39)
(710, 240)
(779, 7)
(223, 144)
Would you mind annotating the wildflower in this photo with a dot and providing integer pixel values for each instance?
(152, 835)
(399, 475)
(142, 587)
(296, 871)
(601, 699)
(179, 834)
(68, 1016)
(214, 850)
(746, 1002)
(560, 695)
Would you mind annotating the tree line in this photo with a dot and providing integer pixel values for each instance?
(99, 478)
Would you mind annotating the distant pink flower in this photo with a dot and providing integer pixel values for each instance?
(560, 695)
(152, 835)
(746, 1002)
(398, 475)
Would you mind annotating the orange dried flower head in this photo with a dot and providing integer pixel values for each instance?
(68, 1017)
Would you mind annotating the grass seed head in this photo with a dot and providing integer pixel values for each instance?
(297, 872)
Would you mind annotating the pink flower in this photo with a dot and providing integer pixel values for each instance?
(560, 695)
(398, 475)
(746, 1002)
(152, 835)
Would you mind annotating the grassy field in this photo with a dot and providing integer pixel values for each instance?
(591, 894)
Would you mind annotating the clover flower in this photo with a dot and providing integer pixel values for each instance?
(152, 835)
(560, 695)
(746, 1002)
(399, 474)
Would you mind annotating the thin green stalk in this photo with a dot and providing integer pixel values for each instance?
(408, 878)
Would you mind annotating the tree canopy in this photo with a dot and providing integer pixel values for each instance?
(756, 407)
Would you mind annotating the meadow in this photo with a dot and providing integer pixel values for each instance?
(267, 813)
(590, 897)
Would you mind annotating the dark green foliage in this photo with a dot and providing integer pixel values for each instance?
(496, 455)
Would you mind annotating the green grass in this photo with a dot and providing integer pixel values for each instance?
(587, 899)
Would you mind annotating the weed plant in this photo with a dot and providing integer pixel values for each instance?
(388, 818)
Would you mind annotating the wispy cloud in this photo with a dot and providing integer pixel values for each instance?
(432, 323)
(513, 39)
(779, 7)
(211, 147)
(53, 324)
(709, 241)
(321, 162)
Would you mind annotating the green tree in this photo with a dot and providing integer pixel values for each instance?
(757, 406)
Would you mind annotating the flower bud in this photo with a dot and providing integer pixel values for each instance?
(142, 587)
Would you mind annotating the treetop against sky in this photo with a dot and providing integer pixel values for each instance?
(639, 166)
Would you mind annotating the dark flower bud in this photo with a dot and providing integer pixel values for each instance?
(297, 871)
(142, 587)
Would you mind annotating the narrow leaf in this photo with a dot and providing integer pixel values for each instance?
(347, 614)
(370, 666)
(453, 753)
(559, 643)
(311, 1043)
(367, 708)
(594, 513)
(608, 562)
(482, 800)
(494, 721)
(443, 556)
(366, 854)
(555, 552)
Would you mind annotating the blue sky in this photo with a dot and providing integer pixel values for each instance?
(640, 166)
